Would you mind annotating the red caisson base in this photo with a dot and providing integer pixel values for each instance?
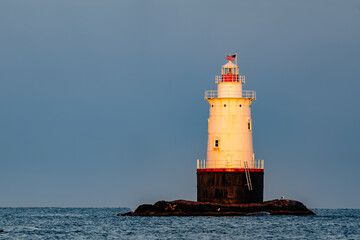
(229, 186)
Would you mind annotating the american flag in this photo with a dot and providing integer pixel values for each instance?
(231, 57)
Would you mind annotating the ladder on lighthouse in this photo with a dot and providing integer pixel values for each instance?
(247, 174)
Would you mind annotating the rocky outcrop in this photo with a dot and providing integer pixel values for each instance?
(190, 208)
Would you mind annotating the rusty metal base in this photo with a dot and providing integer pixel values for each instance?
(229, 187)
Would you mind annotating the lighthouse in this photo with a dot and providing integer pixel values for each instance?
(230, 173)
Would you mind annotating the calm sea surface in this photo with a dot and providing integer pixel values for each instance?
(102, 223)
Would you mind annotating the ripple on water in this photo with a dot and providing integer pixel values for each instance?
(102, 223)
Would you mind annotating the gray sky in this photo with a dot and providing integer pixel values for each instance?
(101, 102)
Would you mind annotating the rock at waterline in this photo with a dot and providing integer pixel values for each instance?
(190, 208)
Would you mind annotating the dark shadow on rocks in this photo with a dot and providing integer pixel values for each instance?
(190, 208)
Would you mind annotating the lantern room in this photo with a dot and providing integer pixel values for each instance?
(230, 72)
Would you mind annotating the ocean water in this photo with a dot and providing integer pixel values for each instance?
(102, 223)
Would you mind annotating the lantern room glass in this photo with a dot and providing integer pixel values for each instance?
(230, 71)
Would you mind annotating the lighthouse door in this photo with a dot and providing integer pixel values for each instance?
(228, 160)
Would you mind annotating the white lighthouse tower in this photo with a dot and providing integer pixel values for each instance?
(230, 174)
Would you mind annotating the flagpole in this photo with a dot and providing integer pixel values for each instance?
(236, 58)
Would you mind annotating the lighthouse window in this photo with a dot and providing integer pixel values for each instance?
(249, 124)
(212, 105)
(216, 143)
(224, 105)
(240, 105)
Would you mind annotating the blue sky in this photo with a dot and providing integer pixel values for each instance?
(101, 102)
